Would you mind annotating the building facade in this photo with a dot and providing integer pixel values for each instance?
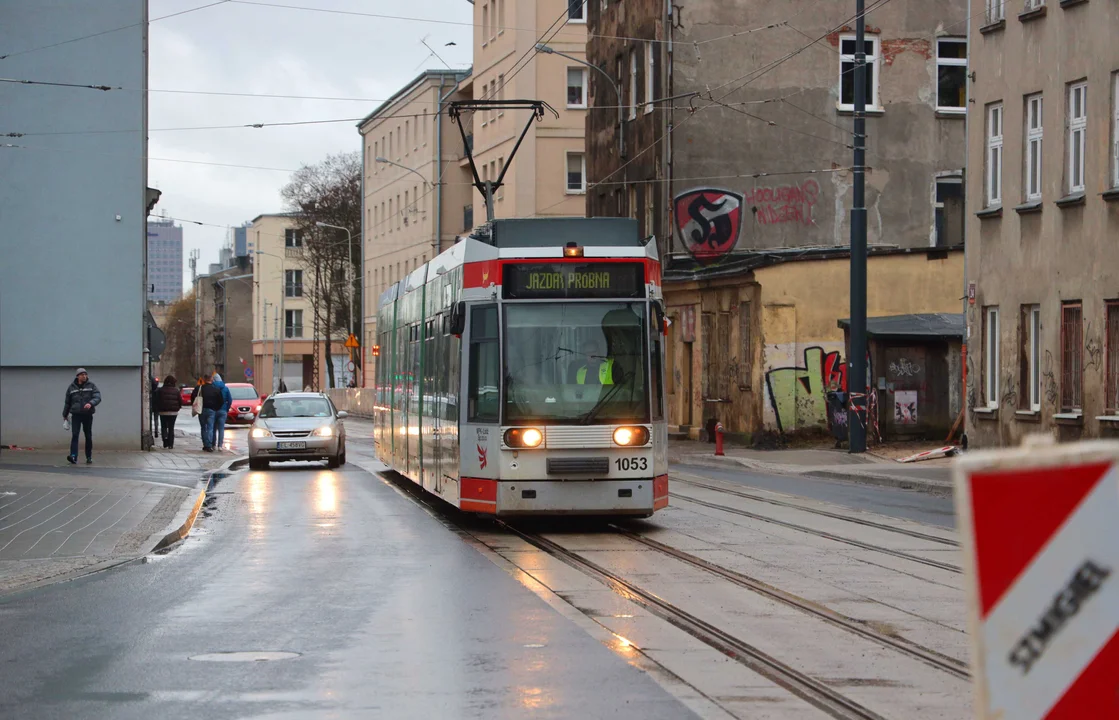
(548, 174)
(72, 229)
(284, 342)
(734, 148)
(1043, 200)
(165, 261)
(417, 196)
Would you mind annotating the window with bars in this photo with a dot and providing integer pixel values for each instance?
(1033, 147)
(1029, 353)
(991, 356)
(1072, 342)
(1111, 366)
(1077, 134)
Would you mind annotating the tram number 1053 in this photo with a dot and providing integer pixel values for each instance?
(632, 463)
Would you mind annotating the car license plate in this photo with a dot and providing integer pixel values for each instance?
(301, 445)
(247, 416)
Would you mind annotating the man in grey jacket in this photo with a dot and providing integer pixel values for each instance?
(82, 399)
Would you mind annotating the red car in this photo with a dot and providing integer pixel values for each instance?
(246, 404)
(184, 394)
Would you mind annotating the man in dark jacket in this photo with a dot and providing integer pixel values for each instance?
(82, 399)
(212, 401)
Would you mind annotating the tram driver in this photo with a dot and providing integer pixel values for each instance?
(597, 368)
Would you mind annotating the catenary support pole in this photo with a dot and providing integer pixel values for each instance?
(857, 420)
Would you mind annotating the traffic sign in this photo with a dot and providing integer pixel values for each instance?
(350, 366)
(248, 373)
(1041, 548)
(351, 342)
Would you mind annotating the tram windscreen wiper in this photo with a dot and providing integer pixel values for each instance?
(593, 412)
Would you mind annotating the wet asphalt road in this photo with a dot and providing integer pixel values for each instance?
(892, 502)
(386, 613)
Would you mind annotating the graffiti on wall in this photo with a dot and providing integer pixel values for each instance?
(904, 367)
(798, 395)
(708, 221)
(785, 203)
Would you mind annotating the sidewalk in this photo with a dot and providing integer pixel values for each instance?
(59, 521)
(872, 468)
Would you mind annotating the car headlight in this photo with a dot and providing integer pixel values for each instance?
(325, 431)
(631, 436)
(260, 432)
(523, 437)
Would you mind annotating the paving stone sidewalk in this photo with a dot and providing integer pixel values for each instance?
(59, 520)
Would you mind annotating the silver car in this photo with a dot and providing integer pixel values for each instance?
(297, 426)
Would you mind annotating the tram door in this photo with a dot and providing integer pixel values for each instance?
(482, 382)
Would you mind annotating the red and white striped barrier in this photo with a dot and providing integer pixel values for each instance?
(1041, 543)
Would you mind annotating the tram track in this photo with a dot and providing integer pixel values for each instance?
(678, 477)
(857, 627)
(822, 533)
(807, 688)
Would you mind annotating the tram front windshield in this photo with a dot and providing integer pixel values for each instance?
(576, 363)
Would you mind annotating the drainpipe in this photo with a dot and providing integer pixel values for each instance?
(967, 326)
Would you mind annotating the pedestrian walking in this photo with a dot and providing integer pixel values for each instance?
(168, 403)
(82, 399)
(223, 413)
(211, 403)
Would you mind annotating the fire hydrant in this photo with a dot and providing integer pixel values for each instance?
(718, 438)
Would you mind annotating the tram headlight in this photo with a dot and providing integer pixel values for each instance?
(523, 437)
(631, 436)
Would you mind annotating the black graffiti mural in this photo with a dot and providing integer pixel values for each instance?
(708, 221)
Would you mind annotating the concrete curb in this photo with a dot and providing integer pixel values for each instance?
(865, 477)
(183, 530)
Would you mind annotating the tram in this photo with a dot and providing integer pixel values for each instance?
(521, 371)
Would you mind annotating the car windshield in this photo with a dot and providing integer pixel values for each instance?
(243, 393)
(572, 363)
(287, 407)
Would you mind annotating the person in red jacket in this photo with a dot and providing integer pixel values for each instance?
(169, 402)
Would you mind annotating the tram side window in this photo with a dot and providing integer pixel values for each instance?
(485, 365)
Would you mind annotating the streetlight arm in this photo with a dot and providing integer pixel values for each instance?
(386, 161)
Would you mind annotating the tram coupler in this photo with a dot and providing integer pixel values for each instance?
(719, 439)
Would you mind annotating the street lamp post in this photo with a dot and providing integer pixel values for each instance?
(542, 48)
(386, 161)
(350, 265)
(283, 315)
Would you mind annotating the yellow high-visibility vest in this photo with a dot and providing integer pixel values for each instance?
(605, 373)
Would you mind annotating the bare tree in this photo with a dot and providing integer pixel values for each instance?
(330, 192)
(182, 339)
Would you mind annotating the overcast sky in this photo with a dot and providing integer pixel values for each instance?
(246, 48)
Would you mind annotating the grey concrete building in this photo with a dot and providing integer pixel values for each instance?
(72, 218)
(225, 320)
(1043, 201)
(165, 261)
(760, 158)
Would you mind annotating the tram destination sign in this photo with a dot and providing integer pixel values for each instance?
(531, 281)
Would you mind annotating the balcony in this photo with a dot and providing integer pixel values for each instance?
(294, 252)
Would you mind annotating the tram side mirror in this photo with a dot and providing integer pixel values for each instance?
(659, 318)
(458, 319)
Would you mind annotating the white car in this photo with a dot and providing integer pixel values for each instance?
(297, 426)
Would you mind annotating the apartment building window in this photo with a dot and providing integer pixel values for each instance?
(1072, 369)
(650, 213)
(994, 155)
(399, 212)
(485, 24)
(576, 173)
(991, 356)
(500, 170)
(633, 101)
(500, 16)
(1033, 147)
(650, 75)
(1029, 353)
(501, 92)
(576, 12)
(948, 211)
(996, 11)
(1111, 401)
(1077, 132)
(406, 208)
(951, 73)
(293, 283)
(1115, 130)
(1034, 4)
(847, 47)
(633, 201)
(293, 323)
(576, 87)
(293, 238)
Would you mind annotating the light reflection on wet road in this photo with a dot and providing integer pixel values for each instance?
(384, 611)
